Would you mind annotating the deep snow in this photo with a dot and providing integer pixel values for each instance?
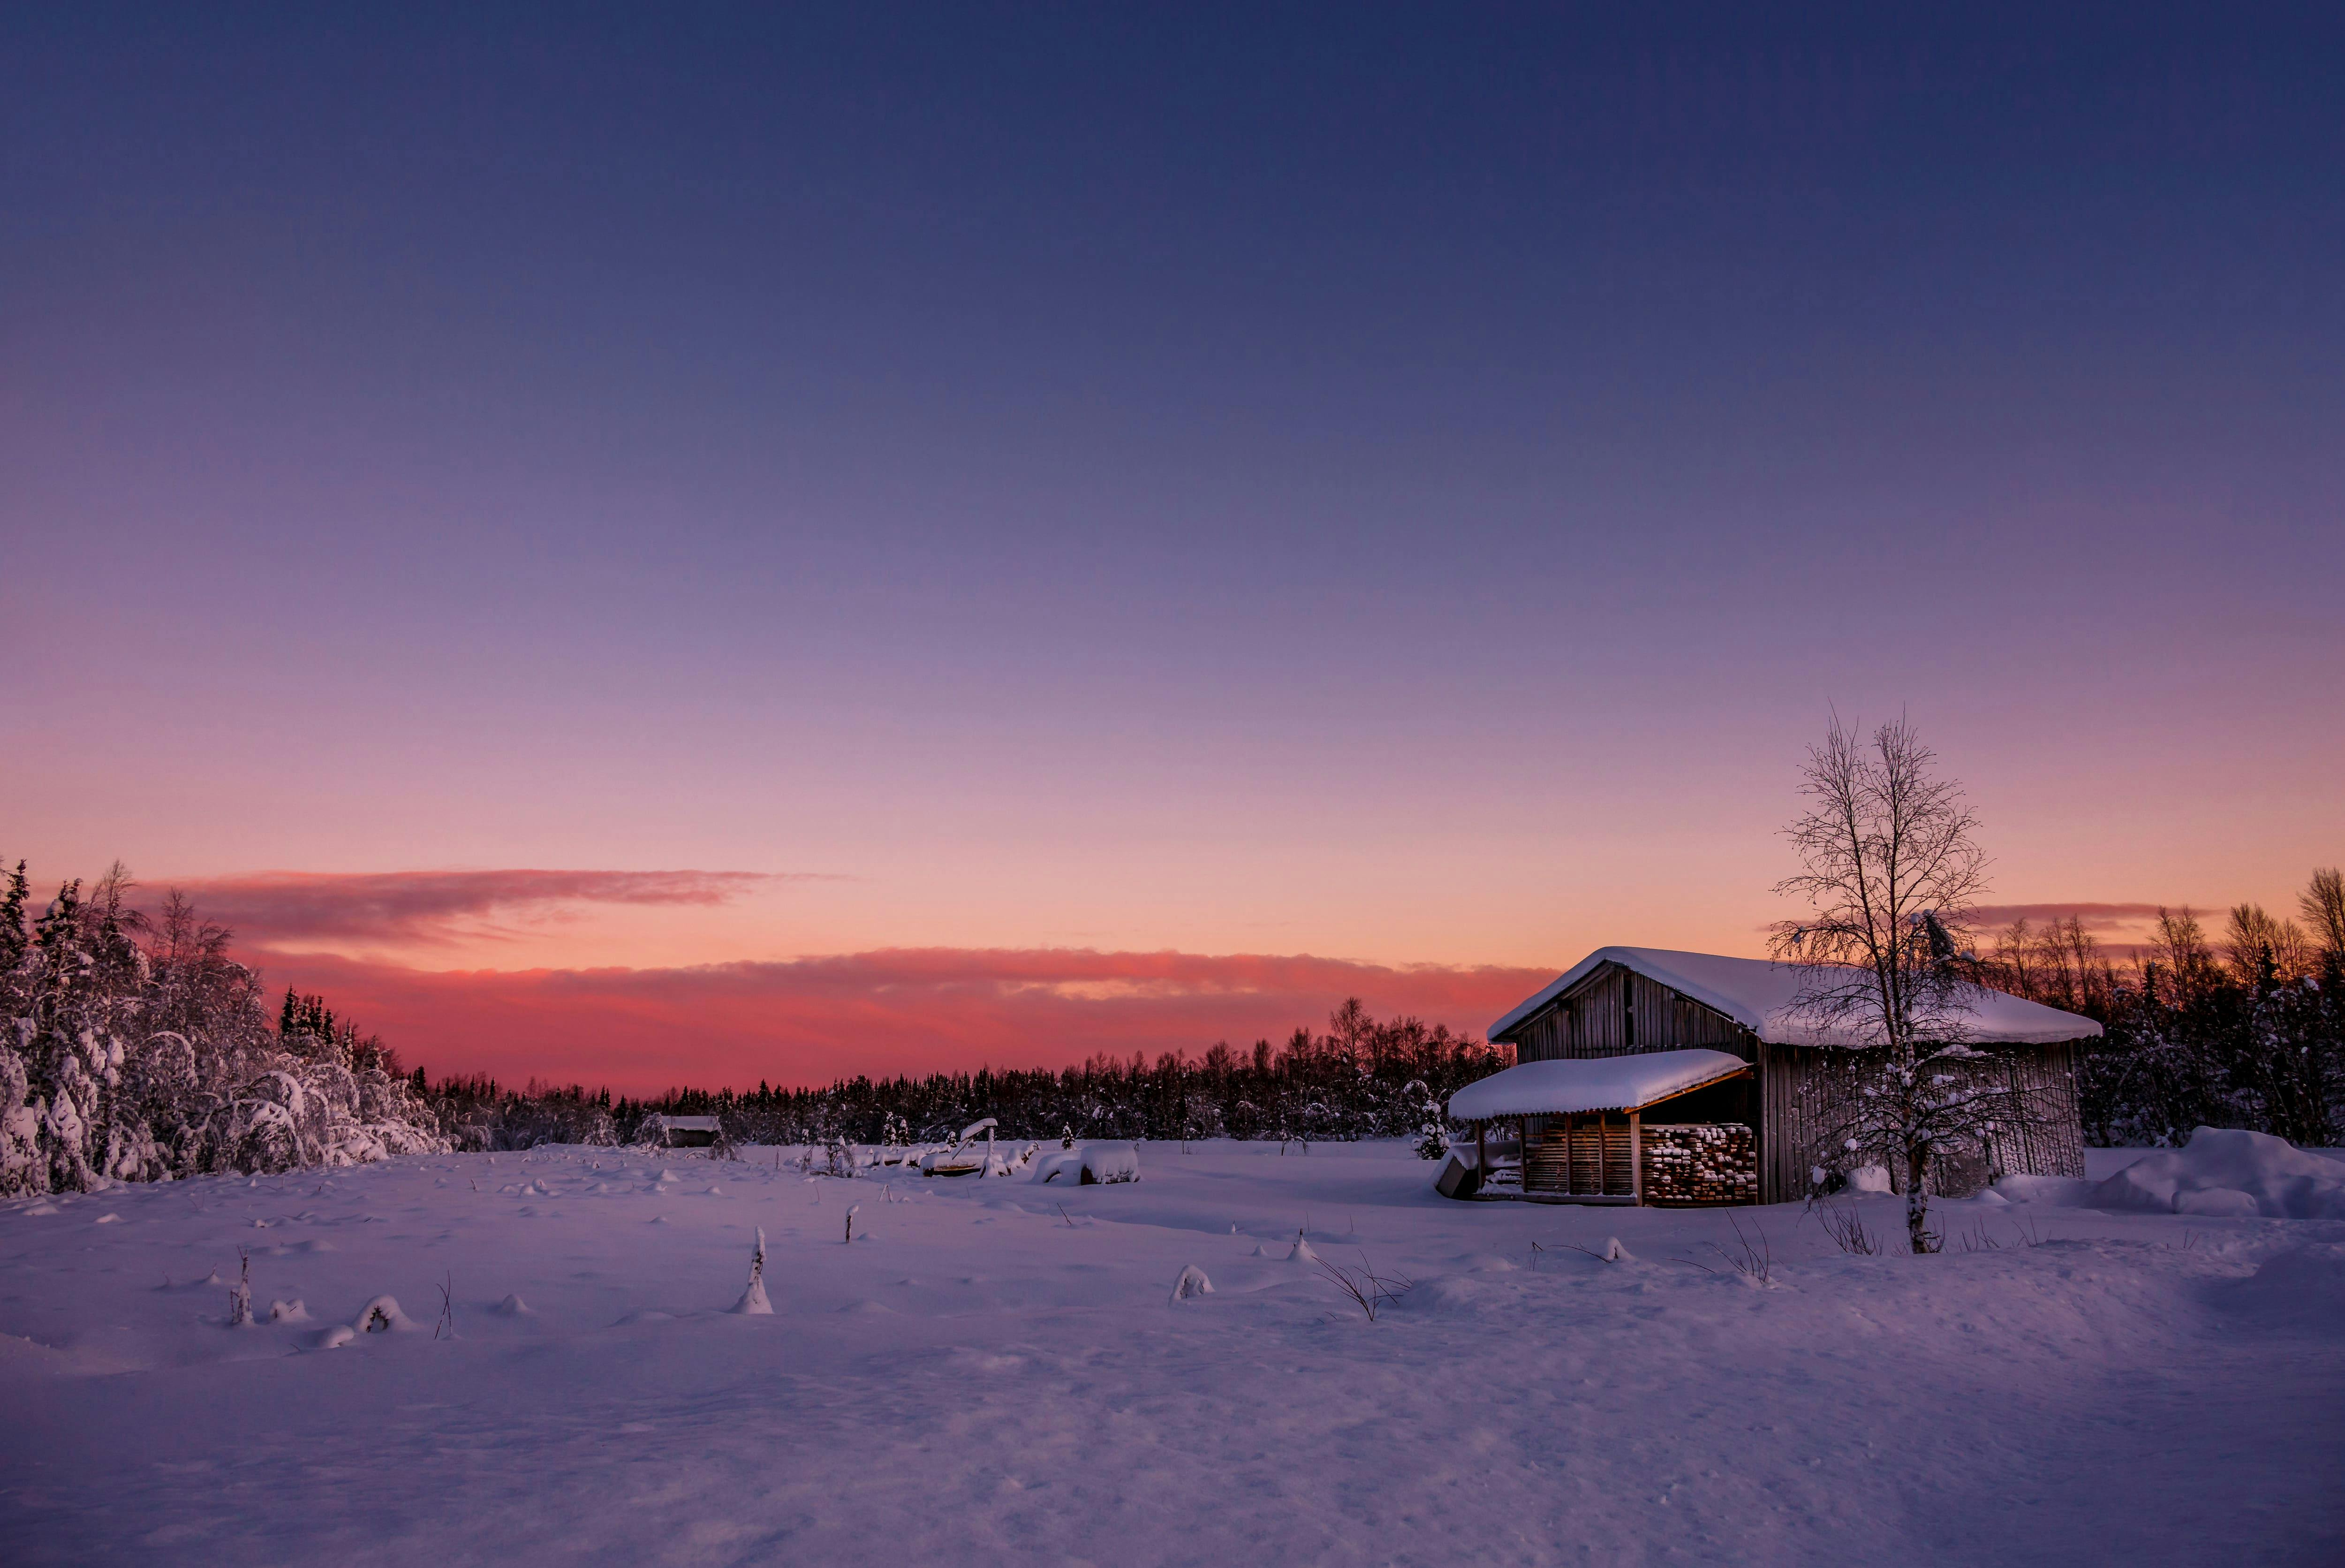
(1000, 1368)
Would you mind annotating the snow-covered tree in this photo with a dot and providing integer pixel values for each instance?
(134, 1049)
(1890, 870)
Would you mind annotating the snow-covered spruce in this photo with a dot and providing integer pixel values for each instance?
(136, 1050)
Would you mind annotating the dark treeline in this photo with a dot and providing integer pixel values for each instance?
(1361, 1077)
(2246, 1031)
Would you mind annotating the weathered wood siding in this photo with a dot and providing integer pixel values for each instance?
(1784, 1135)
(1615, 1012)
(1796, 1086)
(1589, 1156)
(2051, 1140)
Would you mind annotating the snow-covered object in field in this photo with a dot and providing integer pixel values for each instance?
(1757, 994)
(1869, 1178)
(1109, 1163)
(1059, 1164)
(381, 1316)
(964, 1156)
(1460, 1175)
(1594, 1084)
(1192, 1283)
(754, 1302)
(2229, 1171)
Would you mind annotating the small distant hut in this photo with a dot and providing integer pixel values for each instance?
(1648, 1076)
(680, 1132)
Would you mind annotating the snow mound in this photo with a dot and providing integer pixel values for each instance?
(2226, 1171)
(1068, 1163)
(1302, 1251)
(381, 1315)
(1870, 1178)
(288, 1312)
(1192, 1283)
(1109, 1163)
(2068, 1192)
(514, 1306)
(2303, 1286)
(1616, 1253)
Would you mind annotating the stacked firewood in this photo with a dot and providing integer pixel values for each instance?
(1700, 1163)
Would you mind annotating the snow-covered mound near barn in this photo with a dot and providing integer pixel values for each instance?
(2229, 1171)
(468, 1359)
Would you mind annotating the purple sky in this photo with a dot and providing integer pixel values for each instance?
(1401, 486)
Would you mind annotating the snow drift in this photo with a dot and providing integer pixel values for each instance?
(2229, 1171)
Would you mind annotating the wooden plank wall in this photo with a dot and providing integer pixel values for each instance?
(1592, 1020)
(1783, 1133)
(2051, 1140)
(1794, 1083)
(1582, 1156)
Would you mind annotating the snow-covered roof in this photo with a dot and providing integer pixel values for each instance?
(684, 1123)
(1757, 994)
(1590, 1084)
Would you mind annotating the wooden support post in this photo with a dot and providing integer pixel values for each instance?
(1635, 1157)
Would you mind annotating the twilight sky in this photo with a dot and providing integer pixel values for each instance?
(682, 546)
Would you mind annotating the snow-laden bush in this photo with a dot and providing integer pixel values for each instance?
(133, 1050)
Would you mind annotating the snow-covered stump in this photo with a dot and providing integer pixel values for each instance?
(239, 1294)
(753, 1302)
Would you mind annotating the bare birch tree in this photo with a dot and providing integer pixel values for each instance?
(1891, 870)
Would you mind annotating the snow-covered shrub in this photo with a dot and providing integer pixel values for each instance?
(135, 1050)
(381, 1316)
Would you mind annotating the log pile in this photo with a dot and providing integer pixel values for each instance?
(1711, 1162)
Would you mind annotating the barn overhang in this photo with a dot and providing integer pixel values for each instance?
(1592, 1083)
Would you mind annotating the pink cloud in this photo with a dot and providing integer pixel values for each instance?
(893, 1010)
(2096, 918)
(270, 908)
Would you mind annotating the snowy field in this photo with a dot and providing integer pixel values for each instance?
(993, 1371)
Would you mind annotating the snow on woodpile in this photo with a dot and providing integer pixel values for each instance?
(1602, 1084)
(2229, 1171)
(1757, 994)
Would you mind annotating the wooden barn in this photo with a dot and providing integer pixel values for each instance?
(1646, 1076)
(680, 1132)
